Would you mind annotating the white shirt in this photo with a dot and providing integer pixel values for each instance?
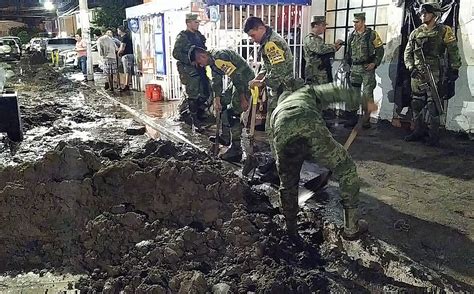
(106, 47)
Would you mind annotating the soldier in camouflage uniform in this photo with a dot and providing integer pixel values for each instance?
(193, 78)
(434, 39)
(317, 54)
(278, 72)
(234, 100)
(364, 54)
(300, 134)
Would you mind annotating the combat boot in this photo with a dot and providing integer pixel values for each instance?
(196, 123)
(352, 120)
(234, 153)
(353, 227)
(224, 138)
(264, 168)
(433, 138)
(271, 176)
(416, 135)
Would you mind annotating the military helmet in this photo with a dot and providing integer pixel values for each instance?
(432, 7)
(318, 19)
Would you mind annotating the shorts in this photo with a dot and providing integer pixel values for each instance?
(128, 62)
(110, 66)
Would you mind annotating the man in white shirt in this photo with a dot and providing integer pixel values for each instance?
(108, 52)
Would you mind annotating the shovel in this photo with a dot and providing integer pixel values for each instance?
(251, 161)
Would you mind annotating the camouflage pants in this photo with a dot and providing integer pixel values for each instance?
(360, 77)
(317, 77)
(304, 136)
(425, 114)
(231, 115)
(196, 85)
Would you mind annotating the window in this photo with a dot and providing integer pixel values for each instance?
(339, 15)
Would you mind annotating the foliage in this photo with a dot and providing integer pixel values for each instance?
(24, 33)
(111, 13)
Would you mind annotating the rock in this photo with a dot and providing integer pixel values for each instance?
(135, 130)
(221, 288)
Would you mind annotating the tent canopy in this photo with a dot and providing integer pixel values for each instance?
(258, 2)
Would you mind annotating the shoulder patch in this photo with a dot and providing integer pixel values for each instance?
(377, 41)
(449, 36)
(274, 53)
(226, 66)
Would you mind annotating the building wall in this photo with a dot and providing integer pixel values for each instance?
(6, 25)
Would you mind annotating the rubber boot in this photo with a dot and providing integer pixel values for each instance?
(267, 166)
(416, 135)
(196, 123)
(352, 120)
(353, 227)
(271, 176)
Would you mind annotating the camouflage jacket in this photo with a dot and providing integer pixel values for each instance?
(313, 99)
(314, 47)
(184, 41)
(277, 61)
(228, 62)
(434, 44)
(364, 48)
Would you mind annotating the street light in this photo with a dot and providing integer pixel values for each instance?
(49, 5)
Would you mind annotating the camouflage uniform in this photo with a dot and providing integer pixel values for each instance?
(193, 78)
(300, 133)
(363, 49)
(228, 62)
(434, 43)
(314, 49)
(278, 70)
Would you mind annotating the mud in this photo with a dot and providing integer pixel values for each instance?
(146, 216)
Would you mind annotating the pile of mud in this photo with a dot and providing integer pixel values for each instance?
(166, 219)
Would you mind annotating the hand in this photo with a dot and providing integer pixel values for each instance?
(372, 107)
(370, 66)
(217, 104)
(416, 74)
(338, 44)
(255, 83)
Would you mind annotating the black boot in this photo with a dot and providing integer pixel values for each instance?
(267, 166)
(433, 138)
(234, 153)
(352, 120)
(224, 138)
(271, 176)
(414, 137)
(196, 124)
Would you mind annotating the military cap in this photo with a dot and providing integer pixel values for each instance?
(318, 19)
(432, 7)
(359, 16)
(191, 16)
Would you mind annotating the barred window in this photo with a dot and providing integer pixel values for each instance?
(339, 16)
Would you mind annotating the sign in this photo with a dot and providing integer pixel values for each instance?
(133, 25)
(160, 56)
(214, 14)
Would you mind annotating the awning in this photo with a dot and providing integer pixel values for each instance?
(258, 2)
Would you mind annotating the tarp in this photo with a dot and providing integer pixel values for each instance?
(258, 2)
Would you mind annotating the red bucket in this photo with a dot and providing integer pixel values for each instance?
(153, 92)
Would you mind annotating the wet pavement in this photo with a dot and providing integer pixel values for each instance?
(400, 181)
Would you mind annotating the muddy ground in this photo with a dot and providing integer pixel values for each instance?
(144, 216)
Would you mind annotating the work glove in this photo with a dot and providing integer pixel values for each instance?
(453, 74)
(415, 73)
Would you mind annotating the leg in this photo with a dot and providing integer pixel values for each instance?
(369, 83)
(83, 60)
(356, 83)
(433, 121)
(418, 104)
(289, 160)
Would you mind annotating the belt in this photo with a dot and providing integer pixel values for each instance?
(360, 62)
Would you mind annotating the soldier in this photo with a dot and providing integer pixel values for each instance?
(433, 39)
(364, 54)
(277, 70)
(234, 100)
(317, 54)
(300, 134)
(193, 78)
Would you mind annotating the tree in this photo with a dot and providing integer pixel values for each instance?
(111, 13)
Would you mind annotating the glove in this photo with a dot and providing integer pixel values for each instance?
(453, 74)
(416, 73)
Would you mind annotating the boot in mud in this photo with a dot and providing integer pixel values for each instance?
(415, 136)
(353, 227)
(271, 176)
(224, 138)
(267, 166)
(234, 153)
(352, 120)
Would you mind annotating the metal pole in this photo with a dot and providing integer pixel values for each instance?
(86, 36)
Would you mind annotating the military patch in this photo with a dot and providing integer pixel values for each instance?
(377, 41)
(274, 53)
(449, 35)
(226, 66)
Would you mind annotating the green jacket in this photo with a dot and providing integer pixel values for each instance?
(314, 48)
(277, 61)
(435, 43)
(184, 41)
(230, 63)
(364, 48)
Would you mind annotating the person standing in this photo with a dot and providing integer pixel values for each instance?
(231, 102)
(364, 54)
(277, 70)
(317, 54)
(300, 134)
(81, 49)
(432, 39)
(108, 52)
(126, 53)
(193, 77)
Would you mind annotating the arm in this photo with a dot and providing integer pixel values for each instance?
(181, 48)
(449, 39)
(281, 63)
(317, 46)
(330, 93)
(408, 54)
(379, 50)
